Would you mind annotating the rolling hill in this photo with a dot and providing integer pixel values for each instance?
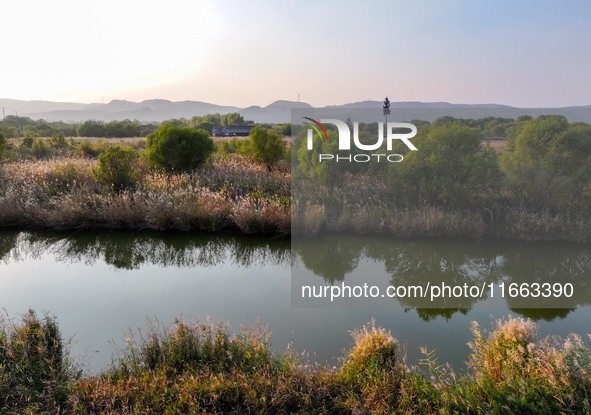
(156, 110)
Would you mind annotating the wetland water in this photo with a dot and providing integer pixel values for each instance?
(99, 285)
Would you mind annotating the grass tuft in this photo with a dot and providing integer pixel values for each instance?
(35, 371)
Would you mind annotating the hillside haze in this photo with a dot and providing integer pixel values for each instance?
(156, 110)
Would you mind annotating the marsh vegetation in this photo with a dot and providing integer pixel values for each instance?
(535, 187)
(196, 368)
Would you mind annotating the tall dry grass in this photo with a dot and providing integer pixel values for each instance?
(63, 193)
(364, 203)
(56, 188)
(202, 368)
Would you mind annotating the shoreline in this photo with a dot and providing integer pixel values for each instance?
(235, 231)
(197, 368)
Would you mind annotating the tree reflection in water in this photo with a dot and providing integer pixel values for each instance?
(332, 258)
(455, 263)
(131, 250)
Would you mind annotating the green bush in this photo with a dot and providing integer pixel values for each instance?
(40, 149)
(58, 141)
(27, 142)
(178, 149)
(2, 143)
(267, 146)
(372, 372)
(548, 163)
(234, 146)
(200, 347)
(118, 167)
(451, 169)
(91, 148)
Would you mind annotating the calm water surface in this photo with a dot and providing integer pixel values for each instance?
(99, 285)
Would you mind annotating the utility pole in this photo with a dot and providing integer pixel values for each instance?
(3, 113)
(386, 108)
(349, 123)
(299, 93)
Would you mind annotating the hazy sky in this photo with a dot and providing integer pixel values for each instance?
(522, 53)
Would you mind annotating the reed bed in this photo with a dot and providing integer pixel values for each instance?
(364, 203)
(63, 193)
(59, 189)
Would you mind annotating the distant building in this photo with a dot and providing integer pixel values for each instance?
(232, 131)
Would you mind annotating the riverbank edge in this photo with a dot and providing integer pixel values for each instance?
(441, 225)
(202, 368)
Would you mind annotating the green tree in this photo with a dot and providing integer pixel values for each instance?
(92, 128)
(215, 120)
(232, 118)
(118, 167)
(283, 129)
(451, 168)
(267, 146)
(125, 128)
(178, 149)
(548, 162)
(306, 163)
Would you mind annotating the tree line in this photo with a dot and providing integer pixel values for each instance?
(14, 126)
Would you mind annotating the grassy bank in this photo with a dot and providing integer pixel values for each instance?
(364, 203)
(233, 192)
(201, 368)
(61, 190)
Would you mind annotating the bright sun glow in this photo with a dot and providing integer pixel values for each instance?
(87, 50)
(242, 53)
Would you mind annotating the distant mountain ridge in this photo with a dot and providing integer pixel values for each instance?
(156, 110)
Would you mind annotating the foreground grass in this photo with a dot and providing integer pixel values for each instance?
(201, 368)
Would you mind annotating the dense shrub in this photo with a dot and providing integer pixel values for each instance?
(514, 372)
(548, 163)
(118, 167)
(58, 141)
(93, 148)
(451, 169)
(199, 347)
(40, 149)
(234, 146)
(266, 146)
(178, 149)
(27, 142)
(2, 143)
(372, 371)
